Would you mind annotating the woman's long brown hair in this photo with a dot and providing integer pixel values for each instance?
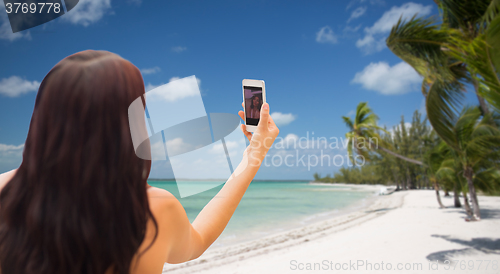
(78, 203)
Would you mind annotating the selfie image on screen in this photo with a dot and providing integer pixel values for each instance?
(253, 102)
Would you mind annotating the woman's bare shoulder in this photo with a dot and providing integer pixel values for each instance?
(154, 192)
(5, 178)
(160, 199)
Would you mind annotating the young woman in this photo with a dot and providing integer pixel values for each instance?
(255, 106)
(80, 202)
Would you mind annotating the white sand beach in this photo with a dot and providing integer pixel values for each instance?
(404, 231)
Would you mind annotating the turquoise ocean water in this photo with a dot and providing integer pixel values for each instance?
(269, 207)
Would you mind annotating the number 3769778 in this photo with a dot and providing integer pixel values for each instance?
(33, 7)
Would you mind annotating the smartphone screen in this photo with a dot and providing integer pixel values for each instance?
(253, 102)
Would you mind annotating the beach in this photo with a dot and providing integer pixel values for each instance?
(404, 231)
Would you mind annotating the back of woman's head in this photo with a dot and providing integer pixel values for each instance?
(78, 203)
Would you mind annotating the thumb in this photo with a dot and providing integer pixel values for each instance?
(264, 115)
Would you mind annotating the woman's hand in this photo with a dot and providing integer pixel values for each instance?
(263, 137)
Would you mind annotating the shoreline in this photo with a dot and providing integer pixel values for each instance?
(310, 219)
(338, 219)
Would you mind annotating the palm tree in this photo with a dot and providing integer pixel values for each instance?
(486, 177)
(317, 177)
(464, 48)
(476, 144)
(364, 130)
(434, 158)
(450, 171)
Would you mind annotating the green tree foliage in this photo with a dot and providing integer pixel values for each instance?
(410, 141)
(462, 47)
(364, 137)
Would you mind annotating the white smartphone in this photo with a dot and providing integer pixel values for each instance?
(254, 95)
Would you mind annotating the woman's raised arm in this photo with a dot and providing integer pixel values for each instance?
(189, 241)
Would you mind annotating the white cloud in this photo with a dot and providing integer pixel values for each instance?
(352, 29)
(10, 148)
(357, 13)
(391, 17)
(290, 141)
(177, 78)
(351, 113)
(398, 79)
(374, 39)
(10, 157)
(179, 49)
(283, 119)
(175, 91)
(178, 146)
(150, 86)
(6, 31)
(150, 70)
(234, 147)
(369, 44)
(352, 3)
(15, 86)
(423, 107)
(87, 12)
(326, 35)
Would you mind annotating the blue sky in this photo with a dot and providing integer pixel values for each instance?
(319, 60)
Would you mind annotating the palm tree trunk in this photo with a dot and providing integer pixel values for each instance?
(413, 180)
(468, 173)
(436, 188)
(455, 196)
(466, 205)
(482, 102)
(396, 155)
(396, 179)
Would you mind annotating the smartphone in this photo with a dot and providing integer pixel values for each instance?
(254, 95)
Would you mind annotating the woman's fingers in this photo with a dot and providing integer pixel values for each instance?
(248, 134)
(243, 127)
(264, 116)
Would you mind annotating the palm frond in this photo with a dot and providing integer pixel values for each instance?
(348, 122)
(442, 104)
(490, 13)
(462, 14)
(488, 180)
(482, 56)
(419, 42)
